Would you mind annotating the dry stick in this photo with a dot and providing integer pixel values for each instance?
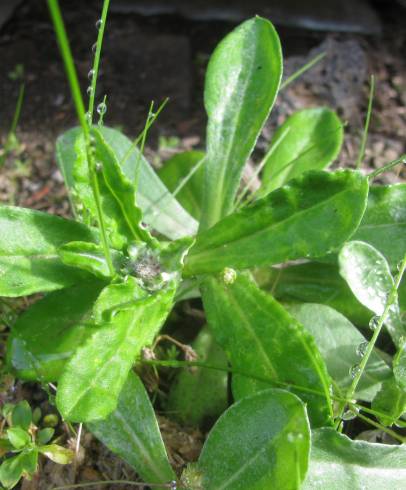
(361, 153)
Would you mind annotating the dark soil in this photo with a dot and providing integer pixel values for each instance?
(150, 58)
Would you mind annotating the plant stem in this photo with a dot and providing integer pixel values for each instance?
(96, 61)
(56, 16)
(382, 428)
(361, 153)
(143, 139)
(377, 331)
(302, 70)
(17, 111)
(388, 166)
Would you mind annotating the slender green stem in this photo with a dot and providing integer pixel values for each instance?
(363, 145)
(143, 139)
(388, 166)
(262, 164)
(17, 111)
(101, 25)
(56, 16)
(302, 70)
(391, 432)
(140, 136)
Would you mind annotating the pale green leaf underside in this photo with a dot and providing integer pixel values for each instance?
(132, 432)
(260, 442)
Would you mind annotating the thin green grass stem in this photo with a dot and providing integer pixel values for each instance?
(302, 70)
(63, 41)
(361, 153)
(101, 23)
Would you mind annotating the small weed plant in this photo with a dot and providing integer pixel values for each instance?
(299, 280)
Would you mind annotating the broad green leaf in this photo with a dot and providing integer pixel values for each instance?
(390, 400)
(94, 376)
(21, 416)
(117, 193)
(160, 209)
(29, 262)
(178, 168)
(309, 217)
(12, 469)
(200, 394)
(338, 463)
(399, 366)
(90, 257)
(308, 140)
(313, 282)
(57, 454)
(340, 343)
(47, 334)
(132, 432)
(263, 342)
(242, 80)
(368, 275)
(262, 441)
(18, 437)
(384, 223)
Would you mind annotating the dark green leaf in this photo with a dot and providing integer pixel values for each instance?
(93, 378)
(18, 437)
(339, 341)
(48, 333)
(368, 274)
(117, 193)
(338, 463)
(242, 81)
(132, 432)
(12, 469)
(309, 217)
(176, 169)
(199, 394)
(89, 257)
(263, 341)
(390, 400)
(384, 222)
(262, 441)
(29, 261)
(21, 416)
(45, 435)
(57, 454)
(160, 209)
(313, 282)
(308, 140)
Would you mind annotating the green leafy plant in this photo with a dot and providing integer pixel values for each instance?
(21, 443)
(299, 368)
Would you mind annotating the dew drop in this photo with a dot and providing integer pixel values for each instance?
(99, 23)
(90, 75)
(88, 117)
(99, 167)
(362, 349)
(350, 414)
(89, 90)
(94, 47)
(374, 322)
(102, 108)
(354, 370)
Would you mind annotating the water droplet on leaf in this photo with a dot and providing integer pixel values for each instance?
(374, 322)
(99, 23)
(89, 90)
(94, 47)
(90, 75)
(362, 349)
(99, 167)
(102, 108)
(350, 414)
(354, 370)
